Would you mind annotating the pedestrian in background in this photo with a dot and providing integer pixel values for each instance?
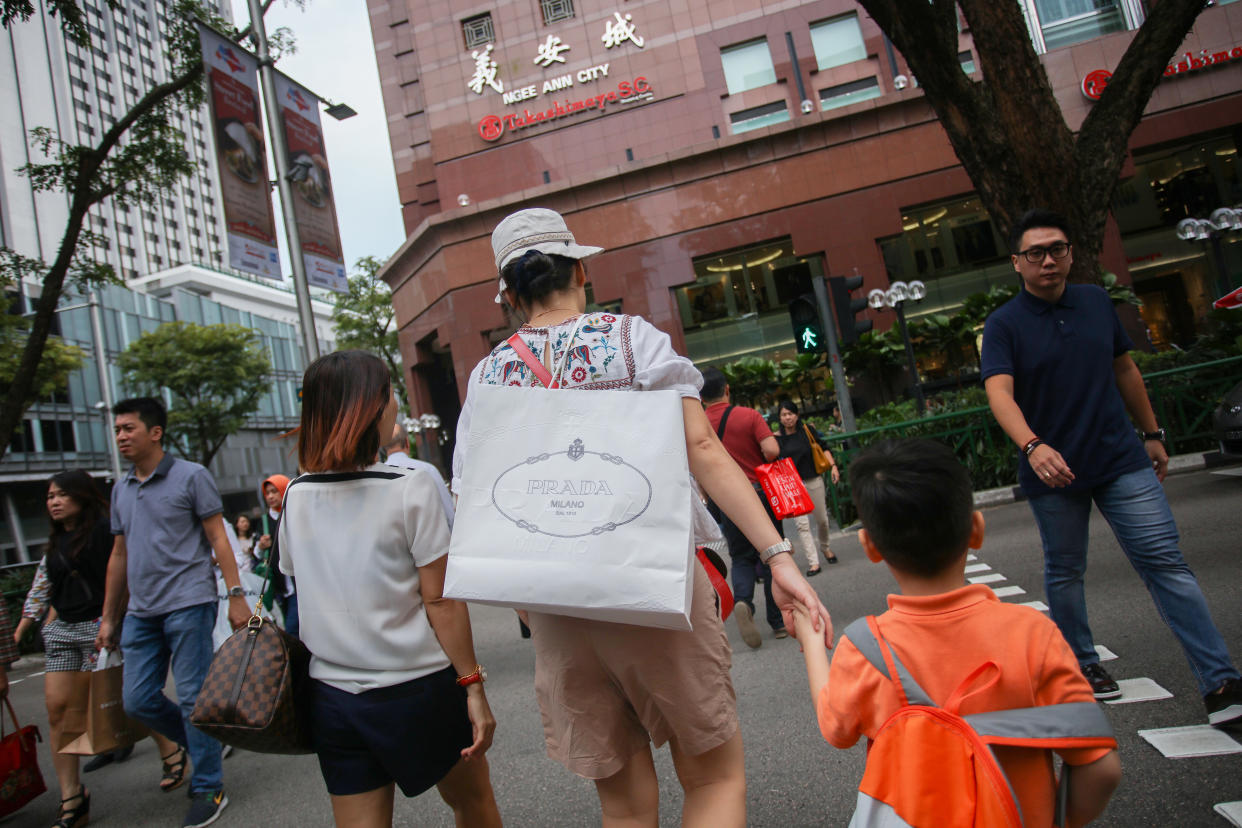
(748, 439)
(282, 590)
(1059, 380)
(794, 438)
(396, 694)
(167, 523)
(396, 453)
(246, 539)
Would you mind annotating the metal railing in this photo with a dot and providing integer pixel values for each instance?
(1183, 399)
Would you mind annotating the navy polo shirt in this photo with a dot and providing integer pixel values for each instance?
(1060, 355)
(168, 563)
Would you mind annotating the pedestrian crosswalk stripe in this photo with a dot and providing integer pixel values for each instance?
(1039, 605)
(972, 557)
(990, 578)
(1139, 690)
(1104, 653)
(1006, 591)
(1231, 811)
(1189, 742)
(979, 567)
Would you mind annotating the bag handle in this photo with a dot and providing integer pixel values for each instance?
(724, 418)
(550, 380)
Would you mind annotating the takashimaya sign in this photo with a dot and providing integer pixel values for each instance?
(619, 30)
(638, 90)
(1093, 82)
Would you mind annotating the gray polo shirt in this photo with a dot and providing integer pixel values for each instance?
(169, 558)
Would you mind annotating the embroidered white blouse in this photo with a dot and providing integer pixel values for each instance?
(609, 352)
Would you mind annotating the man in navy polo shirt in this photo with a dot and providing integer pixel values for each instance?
(1059, 380)
(167, 523)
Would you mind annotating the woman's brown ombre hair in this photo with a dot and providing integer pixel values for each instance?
(344, 394)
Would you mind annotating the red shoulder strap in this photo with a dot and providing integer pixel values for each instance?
(537, 368)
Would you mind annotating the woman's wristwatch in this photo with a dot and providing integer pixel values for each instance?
(477, 677)
(775, 549)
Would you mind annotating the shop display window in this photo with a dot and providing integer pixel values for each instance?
(747, 66)
(837, 42)
(737, 304)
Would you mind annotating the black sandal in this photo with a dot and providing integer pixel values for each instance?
(75, 817)
(174, 772)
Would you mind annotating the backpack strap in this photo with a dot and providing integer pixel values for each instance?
(867, 640)
(724, 418)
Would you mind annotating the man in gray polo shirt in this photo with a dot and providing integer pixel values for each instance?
(166, 516)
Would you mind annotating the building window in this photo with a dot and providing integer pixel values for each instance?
(1065, 22)
(478, 30)
(747, 66)
(848, 93)
(57, 435)
(760, 116)
(554, 10)
(838, 41)
(967, 61)
(736, 305)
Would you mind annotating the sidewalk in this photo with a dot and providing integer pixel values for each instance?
(1179, 464)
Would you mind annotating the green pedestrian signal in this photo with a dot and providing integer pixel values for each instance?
(808, 330)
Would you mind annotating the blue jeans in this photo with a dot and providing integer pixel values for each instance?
(289, 609)
(1136, 508)
(745, 568)
(149, 644)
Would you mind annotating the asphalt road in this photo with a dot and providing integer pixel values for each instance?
(795, 778)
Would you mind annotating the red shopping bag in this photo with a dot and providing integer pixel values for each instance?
(20, 780)
(784, 489)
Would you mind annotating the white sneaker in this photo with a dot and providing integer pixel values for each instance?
(746, 625)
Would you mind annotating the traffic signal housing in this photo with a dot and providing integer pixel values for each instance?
(847, 307)
(808, 329)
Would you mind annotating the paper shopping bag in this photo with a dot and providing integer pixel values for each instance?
(105, 727)
(20, 780)
(784, 489)
(576, 503)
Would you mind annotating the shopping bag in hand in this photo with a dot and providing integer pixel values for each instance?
(95, 721)
(784, 489)
(20, 780)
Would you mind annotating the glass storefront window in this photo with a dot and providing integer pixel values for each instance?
(760, 116)
(1065, 22)
(837, 42)
(951, 247)
(747, 66)
(737, 304)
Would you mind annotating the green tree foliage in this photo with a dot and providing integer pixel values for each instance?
(59, 359)
(364, 320)
(1008, 130)
(214, 373)
(138, 156)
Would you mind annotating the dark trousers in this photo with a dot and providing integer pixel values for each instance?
(745, 565)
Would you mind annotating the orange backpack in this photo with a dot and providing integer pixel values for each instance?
(928, 766)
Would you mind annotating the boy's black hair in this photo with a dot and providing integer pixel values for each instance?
(534, 275)
(1038, 217)
(915, 501)
(150, 410)
(714, 384)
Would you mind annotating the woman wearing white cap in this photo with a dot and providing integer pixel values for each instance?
(607, 690)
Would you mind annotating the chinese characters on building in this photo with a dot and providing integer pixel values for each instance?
(621, 29)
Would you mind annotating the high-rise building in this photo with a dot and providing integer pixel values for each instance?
(726, 152)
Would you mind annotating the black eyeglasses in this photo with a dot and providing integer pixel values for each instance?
(1057, 250)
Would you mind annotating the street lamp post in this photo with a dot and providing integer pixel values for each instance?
(1223, 220)
(896, 297)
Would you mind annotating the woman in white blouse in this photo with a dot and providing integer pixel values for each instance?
(397, 696)
(607, 690)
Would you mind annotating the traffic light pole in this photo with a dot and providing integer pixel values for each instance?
(834, 355)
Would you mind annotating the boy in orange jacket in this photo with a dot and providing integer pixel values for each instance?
(916, 506)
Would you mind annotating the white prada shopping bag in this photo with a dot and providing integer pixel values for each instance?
(576, 503)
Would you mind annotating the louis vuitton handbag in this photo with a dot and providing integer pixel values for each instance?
(255, 693)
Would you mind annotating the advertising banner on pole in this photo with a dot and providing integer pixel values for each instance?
(313, 205)
(241, 155)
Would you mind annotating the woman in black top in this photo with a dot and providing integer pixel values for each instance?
(795, 438)
(76, 560)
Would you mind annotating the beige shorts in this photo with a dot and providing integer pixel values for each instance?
(605, 690)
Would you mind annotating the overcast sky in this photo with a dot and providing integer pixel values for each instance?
(336, 59)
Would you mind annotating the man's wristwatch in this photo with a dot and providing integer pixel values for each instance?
(776, 549)
(477, 677)
(1158, 434)
(237, 592)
